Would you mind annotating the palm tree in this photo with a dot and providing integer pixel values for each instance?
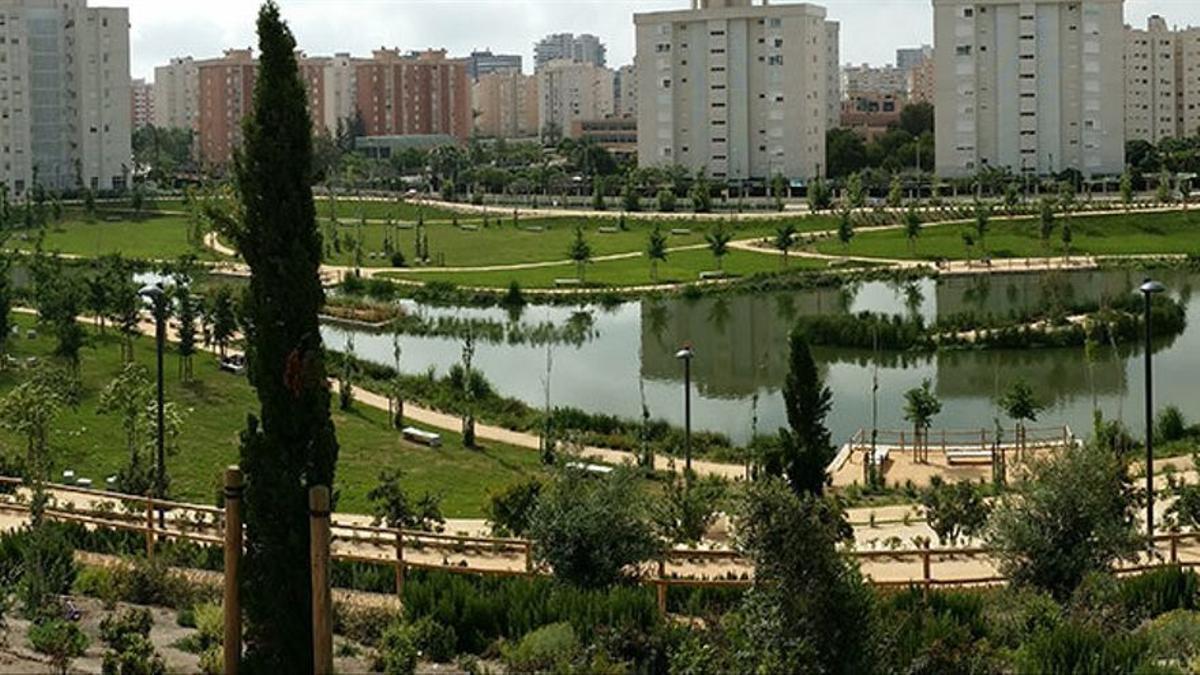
(718, 243)
(656, 250)
(785, 239)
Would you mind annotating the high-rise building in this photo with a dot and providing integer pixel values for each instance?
(922, 82)
(485, 62)
(225, 97)
(340, 82)
(420, 93)
(506, 105)
(882, 80)
(908, 58)
(734, 89)
(569, 91)
(1023, 85)
(1162, 81)
(65, 94)
(583, 48)
(625, 91)
(833, 78)
(177, 94)
(141, 102)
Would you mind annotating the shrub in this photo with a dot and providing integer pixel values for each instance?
(363, 624)
(509, 510)
(434, 641)
(61, 640)
(1174, 639)
(151, 582)
(49, 567)
(1014, 614)
(116, 630)
(1159, 591)
(138, 658)
(1072, 648)
(397, 651)
(97, 582)
(1170, 425)
(549, 647)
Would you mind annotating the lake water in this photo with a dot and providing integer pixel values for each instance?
(740, 347)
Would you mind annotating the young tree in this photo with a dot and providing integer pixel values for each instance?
(700, 194)
(1021, 405)
(59, 299)
(819, 197)
(1066, 239)
(580, 253)
(224, 318)
(631, 196)
(968, 242)
(845, 230)
(1163, 193)
(597, 194)
(291, 446)
(1046, 223)
(393, 507)
(895, 195)
(779, 190)
(856, 195)
(804, 448)
(954, 510)
(785, 239)
(1074, 515)
(396, 395)
(185, 313)
(912, 228)
(920, 407)
(665, 200)
(126, 313)
(468, 419)
(718, 244)
(127, 396)
(656, 250)
(1126, 188)
(983, 214)
(1012, 197)
(346, 375)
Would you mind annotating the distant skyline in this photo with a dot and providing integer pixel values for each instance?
(872, 30)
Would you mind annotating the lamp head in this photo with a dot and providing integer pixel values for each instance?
(1149, 286)
(685, 353)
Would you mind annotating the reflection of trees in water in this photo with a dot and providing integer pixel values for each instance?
(1056, 375)
(718, 314)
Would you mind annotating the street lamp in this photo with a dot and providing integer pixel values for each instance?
(158, 300)
(685, 354)
(1149, 288)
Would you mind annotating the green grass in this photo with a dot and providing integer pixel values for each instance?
(216, 405)
(504, 244)
(680, 267)
(1126, 234)
(152, 236)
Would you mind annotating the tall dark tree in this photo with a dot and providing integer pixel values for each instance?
(291, 445)
(805, 449)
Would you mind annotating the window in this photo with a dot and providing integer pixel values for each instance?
(963, 50)
(778, 42)
(776, 23)
(968, 12)
(775, 60)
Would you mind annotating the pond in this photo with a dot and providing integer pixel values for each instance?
(740, 343)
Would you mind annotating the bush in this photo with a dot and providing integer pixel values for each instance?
(1174, 639)
(151, 582)
(363, 624)
(130, 651)
(397, 651)
(97, 582)
(1016, 613)
(1071, 648)
(434, 641)
(59, 639)
(116, 630)
(1159, 591)
(49, 567)
(549, 647)
(509, 510)
(1170, 425)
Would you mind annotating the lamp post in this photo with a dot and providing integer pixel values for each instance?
(158, 299)
(685, 354)
(1149, 288)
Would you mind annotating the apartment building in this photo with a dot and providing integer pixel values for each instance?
(583, 48)
(65, 95)
(570, 91)
(506, 105)
(420, 93)
(922, 82)
(141, 103)
(481, 63)
(870, 114)
(1029, 85)
(908, 58)
(736, 89)
(625, 91)
(225, 95)
(339, 74)
(1162, 81)
(866, 78)
(177, 94)
(833, 78)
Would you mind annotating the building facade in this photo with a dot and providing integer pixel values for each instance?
(625, 91)
(421, 93)
(570, 91)
(225, 97)
(506, 105)
(734, 89)
(908, 58)
(873, 79)
(1162, 81)
(485, 62)
(1022, 85)
(871, 114)
(65, 96)
(176, 94)
(141, 103)
(833, 78)
(618, 135)
(583, 48)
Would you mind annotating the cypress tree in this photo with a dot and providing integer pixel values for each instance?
(291, 446)
(806, 449)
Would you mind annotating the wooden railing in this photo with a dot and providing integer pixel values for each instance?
(1034, 437)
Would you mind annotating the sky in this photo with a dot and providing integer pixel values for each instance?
(161, 29)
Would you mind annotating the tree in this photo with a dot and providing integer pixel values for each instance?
(917, 119)
(1012, 197)
(1021, 406)
(185, 314)
(845, 152)
(591, 529)
(59, 298)
(224, 318)
(468, 391)
(983, 214)
(845, 228)
(396, 393)
(1126, 188)
(718, 243)
(954, 510)
(912, 228)
(700, 194)
(819, 196)
(656, 250)
(666, 200)
(779, 190)
(1066, 239)
(1163, 192)
(127, 396)
(785, 239)
(1073, 516)
(687, 507)
(291, 445)
(856, 196)
(920, 407)
(895, 195)
(580, 253)
(804, 449)
(631, 198)
(393, 507)
(347, 375)
(1046, 222)
(29, 411)
(597, 195)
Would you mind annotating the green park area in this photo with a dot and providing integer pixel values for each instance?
(1175, 232)
(680, 267)
(214, 407)
(148, 236)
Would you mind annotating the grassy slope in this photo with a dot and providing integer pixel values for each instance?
(216, 406)
(680, 266)
(151, 236)
(1149, 233)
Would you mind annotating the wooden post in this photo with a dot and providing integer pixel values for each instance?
(529, 556)
(233, 556)
(150, 528)
(926, 566)
(661, 587)
(943, 441)
(1174, 547)
(400, 564)
(901, 441)
(318, 511)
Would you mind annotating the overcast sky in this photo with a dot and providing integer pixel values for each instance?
(871, 29)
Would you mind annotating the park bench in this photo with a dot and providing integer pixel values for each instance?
(234, 363)
(681, 231)
(112, 219)
(609, 230)
(598, 469)
(963, 456)
(880, 456)
(83, 482)
(560, 283)
(712, 274)
(68, 477)
(535, 228)
(469, 228)
(422, 437)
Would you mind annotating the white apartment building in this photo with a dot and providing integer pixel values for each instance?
(1162, 81)
(505, 104)
(1030, 85)
(176, 94)
(569, 91)
(735, 89)
(340, 89)
(64, 95)
(141, 97)
(833, 78)
(584, 48)
(868, 79)
(626, 91)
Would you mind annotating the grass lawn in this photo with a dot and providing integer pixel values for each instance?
(680, 266)
(155, 236)
(216, 405)
(1134, 233)
(505, 244)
